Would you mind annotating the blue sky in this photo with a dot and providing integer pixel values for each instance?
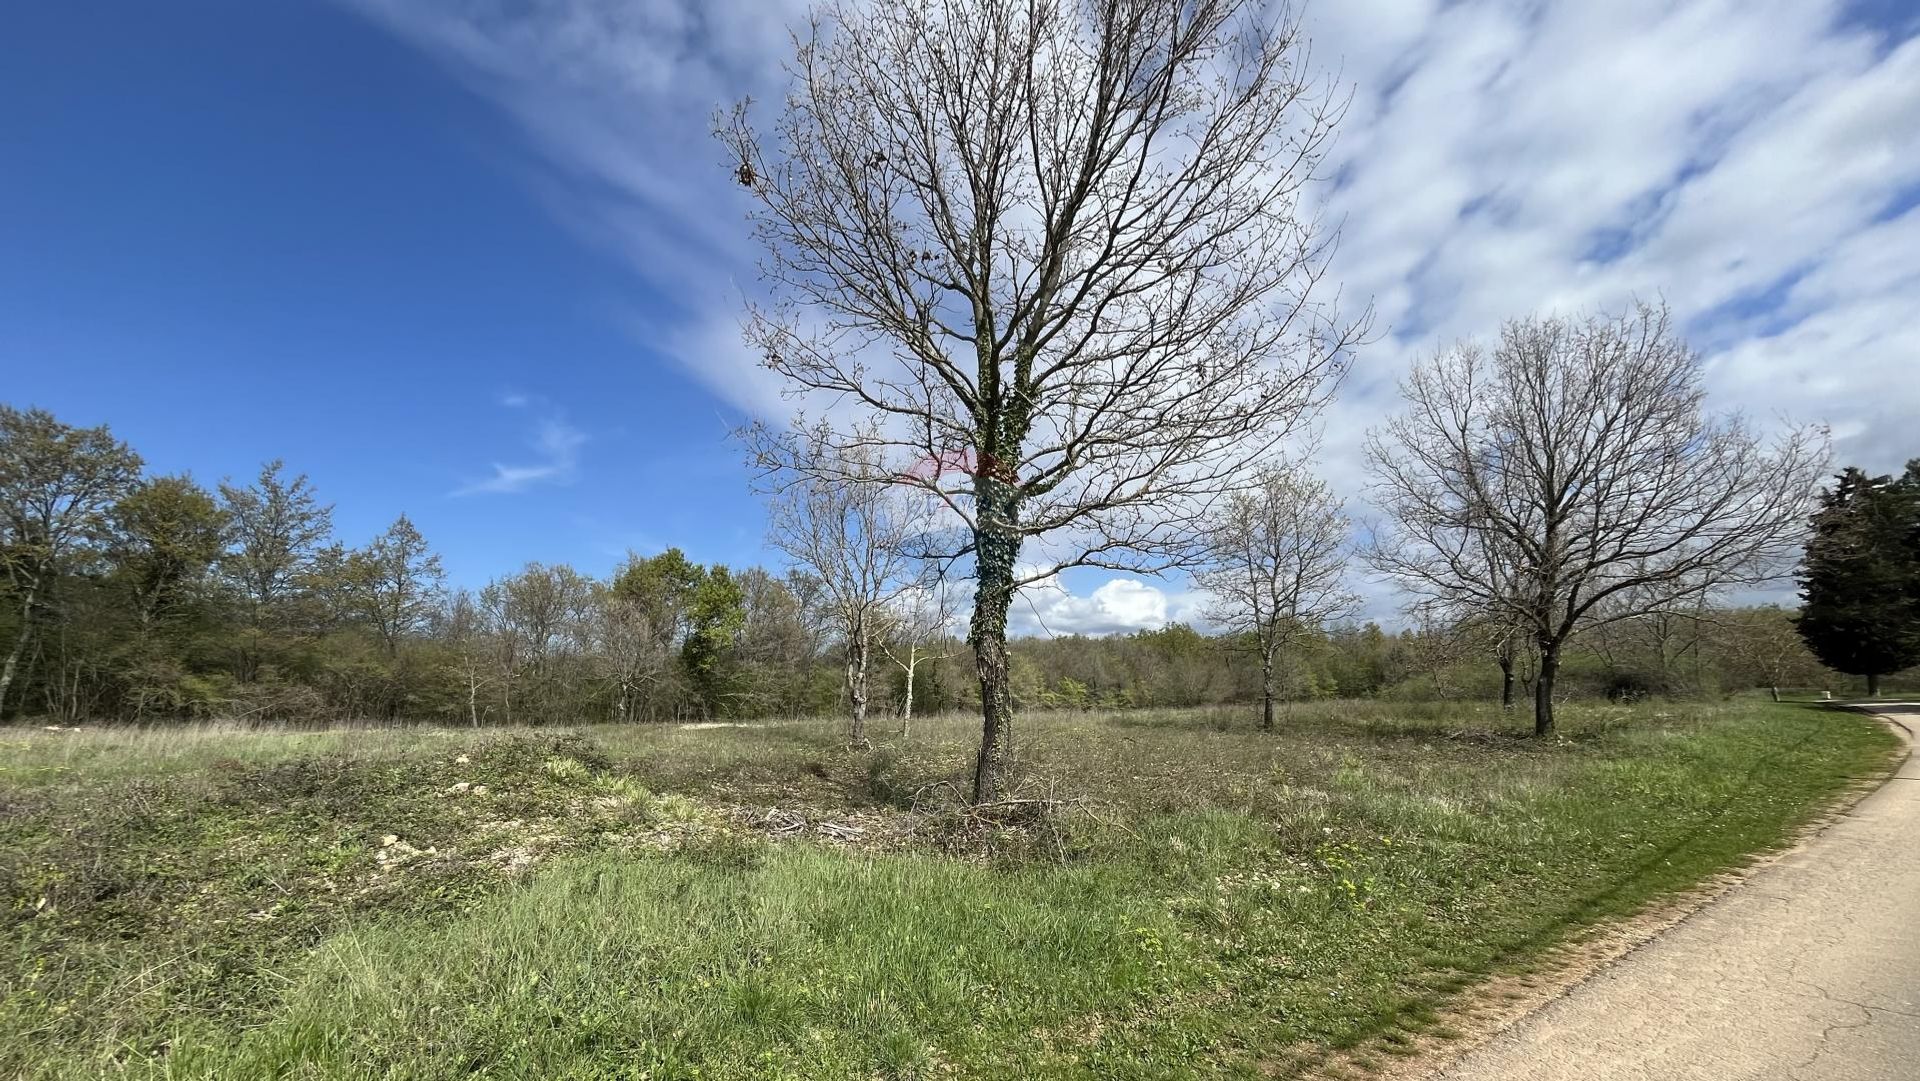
(237, 231)
(479, 262)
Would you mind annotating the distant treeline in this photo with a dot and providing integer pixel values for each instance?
(143, 598)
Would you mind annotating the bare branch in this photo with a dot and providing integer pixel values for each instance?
(1572, 478)
(1057, 252)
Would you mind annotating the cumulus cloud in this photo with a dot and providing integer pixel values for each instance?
(1117, 606)
(1738, 159)
(1752, 162)
(556, 453)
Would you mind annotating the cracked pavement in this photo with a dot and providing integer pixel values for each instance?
(1807, 971)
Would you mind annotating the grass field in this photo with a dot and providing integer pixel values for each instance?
(652, 902)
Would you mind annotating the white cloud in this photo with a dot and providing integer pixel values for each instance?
(616, 98)
(1748, 160)
(556, 445)
(1117, 606)
(1737, 159)
(1571, 155)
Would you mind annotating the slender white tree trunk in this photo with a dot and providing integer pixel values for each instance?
(906, 708)
(19, 646)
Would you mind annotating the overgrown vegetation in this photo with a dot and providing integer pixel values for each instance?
(660, 902)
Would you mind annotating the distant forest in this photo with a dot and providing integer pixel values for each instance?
(135, 597)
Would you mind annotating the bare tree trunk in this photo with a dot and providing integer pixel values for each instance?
(1506, 679)
(1543, 689)
(996, 549)
(12, 663)
(1873, 685)
(857, 691)
(1776, 693)
(906, 707)
(19, 645)
(1266, 692)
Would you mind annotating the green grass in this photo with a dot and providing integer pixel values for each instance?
(213, 904)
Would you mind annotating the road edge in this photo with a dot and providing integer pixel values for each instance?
(1495, 1005)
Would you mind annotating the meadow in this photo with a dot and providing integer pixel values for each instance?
(1171, 894)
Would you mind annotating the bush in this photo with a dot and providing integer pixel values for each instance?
(1631, 687)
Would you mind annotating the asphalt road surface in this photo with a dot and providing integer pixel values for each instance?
(1808, 971)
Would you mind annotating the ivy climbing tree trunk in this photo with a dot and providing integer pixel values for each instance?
(1073, 295)
(997, 548)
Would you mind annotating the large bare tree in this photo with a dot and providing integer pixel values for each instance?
(1582, 453)
(1059, 250)
(855, 530)
(1276, 567)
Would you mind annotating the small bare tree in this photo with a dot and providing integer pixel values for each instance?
(1275, 567)
(545, 619)
(1499, 634)
(1764, 647)
(1058, 250)
(852, 528)
(1492, 629)
(464, 626)
(919, 628)
(1641, 638)
(634, 656)
(1583, 448)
